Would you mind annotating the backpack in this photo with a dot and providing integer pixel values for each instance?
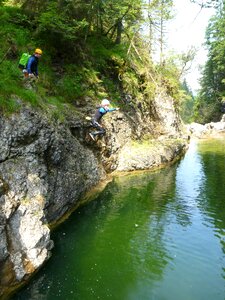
(24, 60)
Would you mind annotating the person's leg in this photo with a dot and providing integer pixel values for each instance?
(100, 130)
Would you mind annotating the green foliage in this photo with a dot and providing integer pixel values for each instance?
(213, 75)
(8, 85)
(8, 106)
(205, 112)
(70, 87)
(89, 49)
(169, 76)
(55, 108)
(11, 36)
(78, 82)
(113, 18)
(59, 27)
(158, 13)
(187, 104)
(100, 50)
(131, 83)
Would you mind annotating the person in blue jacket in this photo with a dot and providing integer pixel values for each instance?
(32, 64)
(96, 120)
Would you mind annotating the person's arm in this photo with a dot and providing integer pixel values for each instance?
(103, 110)
(35, 67)
(113, 109)
(36, 70)
(29, 64)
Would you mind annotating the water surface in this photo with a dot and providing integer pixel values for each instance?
(151, 236)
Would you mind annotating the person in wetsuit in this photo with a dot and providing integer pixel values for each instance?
(96, 120)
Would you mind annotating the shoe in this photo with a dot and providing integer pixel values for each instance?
(92, 136)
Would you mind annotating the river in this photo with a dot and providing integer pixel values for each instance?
(154, 235)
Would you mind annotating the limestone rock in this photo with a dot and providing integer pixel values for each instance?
(199, 130)
(44, 171)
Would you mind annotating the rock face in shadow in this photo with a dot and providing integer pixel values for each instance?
(44, 171)
(47, 167)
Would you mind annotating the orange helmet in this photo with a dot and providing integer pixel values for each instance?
(38, 51)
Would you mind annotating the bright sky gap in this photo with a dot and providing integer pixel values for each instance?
(186, 30)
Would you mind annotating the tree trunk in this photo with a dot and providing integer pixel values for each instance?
(119, 31)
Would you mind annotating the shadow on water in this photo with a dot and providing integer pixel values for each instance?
(147, 236)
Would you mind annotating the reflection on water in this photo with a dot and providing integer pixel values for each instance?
(156, 235)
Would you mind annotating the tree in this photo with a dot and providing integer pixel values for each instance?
(213, 75)
(119, 16)
(165, 14)
(158, 12)
(187, 104)
(152, 24)
(184, 61)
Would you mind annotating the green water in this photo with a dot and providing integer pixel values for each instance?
(152, 236)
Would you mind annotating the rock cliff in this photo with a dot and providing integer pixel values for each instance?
(46, 167)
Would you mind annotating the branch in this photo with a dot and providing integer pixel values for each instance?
(118, 20)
